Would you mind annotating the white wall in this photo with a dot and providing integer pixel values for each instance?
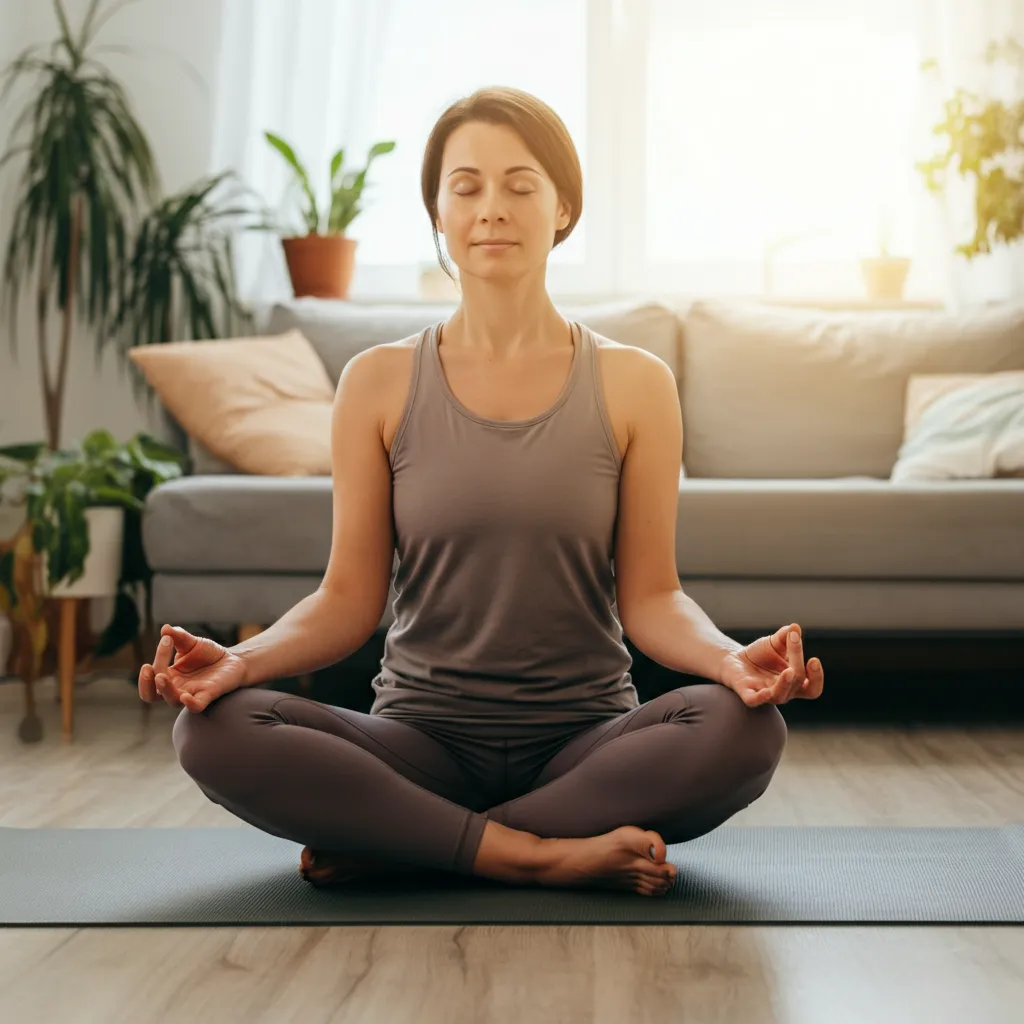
(177, 114)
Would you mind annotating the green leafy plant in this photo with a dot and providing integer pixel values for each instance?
(88, 170)
(984, 142)
(346, 187)
(56, 487)
(90, 227)
(179, 281)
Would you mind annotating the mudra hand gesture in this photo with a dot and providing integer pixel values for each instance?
(771, 670)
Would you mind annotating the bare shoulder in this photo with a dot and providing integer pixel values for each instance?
(628, 358)
(631, 375)
(376, 367)
(386, 379)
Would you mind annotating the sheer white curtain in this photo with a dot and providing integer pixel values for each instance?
(307, 70)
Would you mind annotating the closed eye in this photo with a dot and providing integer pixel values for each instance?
(515, 191)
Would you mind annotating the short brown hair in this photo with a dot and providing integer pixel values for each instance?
(540, 128)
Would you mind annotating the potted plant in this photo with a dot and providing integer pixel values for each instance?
(320, 262)
(90, 231)
(88, 171)
(885, 275)
(81, 535)
(984, 143)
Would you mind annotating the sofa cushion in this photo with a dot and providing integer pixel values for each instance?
(260, 404)
(771, 392)
(228, 523)
(856, 528)
(851, 528)
(338, 330)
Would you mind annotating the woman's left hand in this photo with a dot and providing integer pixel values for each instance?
(771, 670)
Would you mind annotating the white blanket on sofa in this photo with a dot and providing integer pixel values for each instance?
(976, 431)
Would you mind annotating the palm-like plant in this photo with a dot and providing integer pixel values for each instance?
(179, 280)
(88, 171)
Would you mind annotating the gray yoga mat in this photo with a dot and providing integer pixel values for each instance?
(781, 875)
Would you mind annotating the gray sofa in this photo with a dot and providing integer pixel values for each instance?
(792, 422)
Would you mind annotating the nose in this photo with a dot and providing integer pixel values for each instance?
(493, 206)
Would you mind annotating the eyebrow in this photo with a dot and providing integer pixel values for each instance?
(511, 170)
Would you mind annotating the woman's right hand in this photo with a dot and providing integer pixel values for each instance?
(203, 670)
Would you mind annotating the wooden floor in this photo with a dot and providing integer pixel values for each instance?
(120, 771)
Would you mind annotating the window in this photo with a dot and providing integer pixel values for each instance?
(733, 146)
(432, 55)
(783, 129)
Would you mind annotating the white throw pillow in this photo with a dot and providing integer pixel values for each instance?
(962, 426)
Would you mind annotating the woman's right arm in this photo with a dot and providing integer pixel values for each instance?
(342, 614)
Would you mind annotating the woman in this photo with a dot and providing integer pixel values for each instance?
(510, 455)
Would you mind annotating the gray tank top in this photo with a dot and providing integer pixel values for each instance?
(505, 597)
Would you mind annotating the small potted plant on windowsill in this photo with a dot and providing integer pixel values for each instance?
(80, 537)
(885, 275)
(321, 262)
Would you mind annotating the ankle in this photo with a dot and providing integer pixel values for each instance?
(510, 855)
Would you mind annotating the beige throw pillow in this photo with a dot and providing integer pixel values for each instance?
(261, 404)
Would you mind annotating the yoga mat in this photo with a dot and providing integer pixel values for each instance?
(778, 875)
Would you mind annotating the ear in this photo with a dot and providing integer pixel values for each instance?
(564, 215)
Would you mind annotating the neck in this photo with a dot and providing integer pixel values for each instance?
(502, 319)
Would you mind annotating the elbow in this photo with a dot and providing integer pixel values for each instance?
(357, 616)
(637, 610)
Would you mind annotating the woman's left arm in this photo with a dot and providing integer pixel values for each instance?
(659, 618)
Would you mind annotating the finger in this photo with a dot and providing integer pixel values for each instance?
(815, 682)
(184, 641)
(777, 691)
(195, 701)
(796, 654)
(167, 690)
(194, 696)
(779, 640)
(147, 684)
(753, 696)
(164, 650)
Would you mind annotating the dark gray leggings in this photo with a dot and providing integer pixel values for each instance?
(371, 786)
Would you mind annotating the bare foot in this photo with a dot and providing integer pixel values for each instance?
(621, 859)
(329, 867)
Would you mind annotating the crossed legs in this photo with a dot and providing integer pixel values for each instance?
(380, 788)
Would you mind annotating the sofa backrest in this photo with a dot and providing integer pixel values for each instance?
(778, 392)
(339, 330)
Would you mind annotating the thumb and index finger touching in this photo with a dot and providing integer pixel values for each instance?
(182, 644)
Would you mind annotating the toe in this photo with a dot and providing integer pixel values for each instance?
(654, 847)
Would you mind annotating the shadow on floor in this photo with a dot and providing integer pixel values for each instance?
(868, 678)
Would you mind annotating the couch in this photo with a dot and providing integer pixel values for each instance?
(792, 422)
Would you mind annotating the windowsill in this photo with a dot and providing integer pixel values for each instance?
(848, 302)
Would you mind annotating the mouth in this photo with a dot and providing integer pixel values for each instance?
(498, 245)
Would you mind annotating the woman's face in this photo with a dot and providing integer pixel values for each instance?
(492, 187)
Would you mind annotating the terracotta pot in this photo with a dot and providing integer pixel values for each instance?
(884, 277)
(320, 265)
